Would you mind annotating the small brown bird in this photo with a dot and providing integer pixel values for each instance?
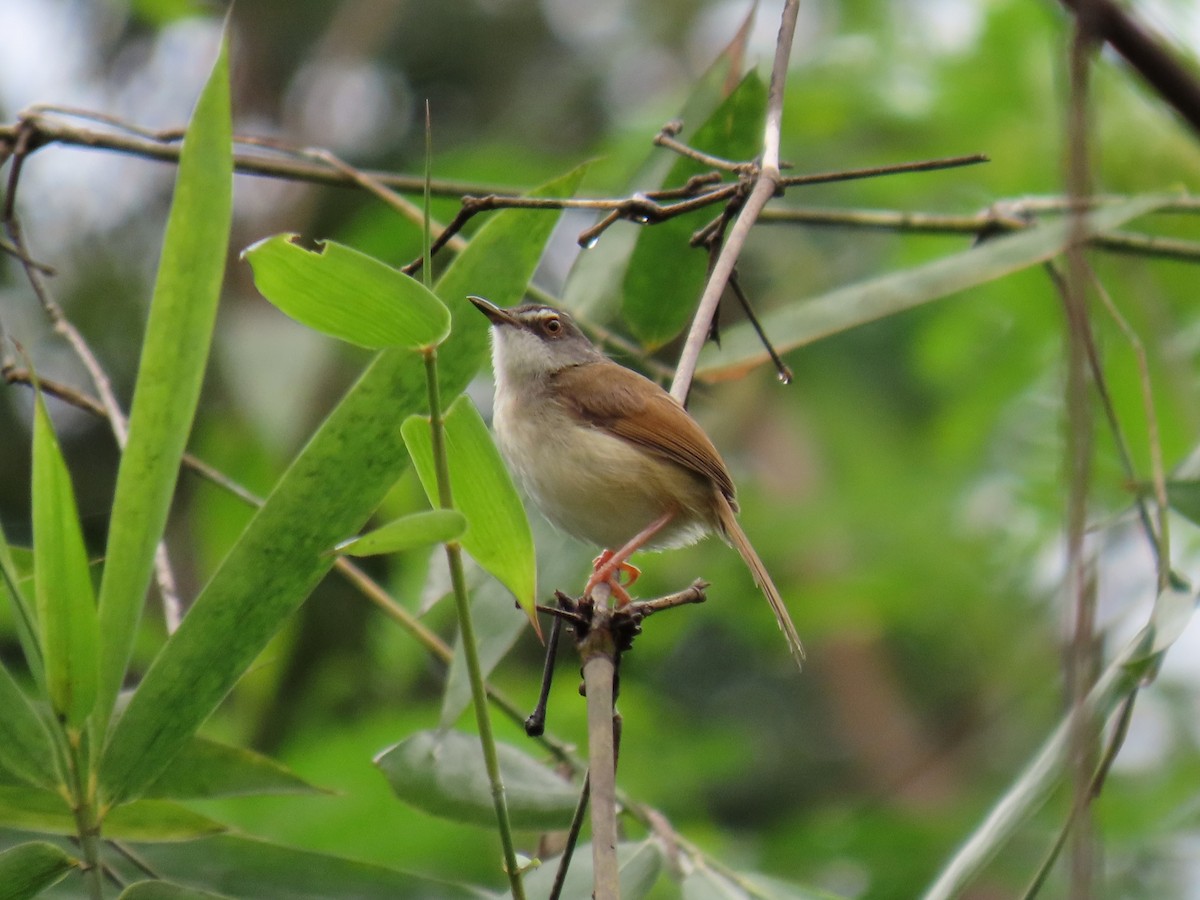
(606, 454)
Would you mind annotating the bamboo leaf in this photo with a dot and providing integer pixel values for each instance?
(1046, 769)
(1183, 495)
(28, 869)
(443, 773)
(328, 492)
(498, 535)
(346, 294)
(66, 606)
(25, 748)
(174, 354)
(206, 768)
(804, 322)
(640, 865)
(30, 809)
(165, 890)
(666, 274)
(23, 612)
(496, 630)
(434, 526)
(254, 868)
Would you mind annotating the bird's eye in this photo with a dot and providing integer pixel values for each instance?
(553, 326)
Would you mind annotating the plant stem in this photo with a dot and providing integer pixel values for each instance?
(467, 629)
(83, 806)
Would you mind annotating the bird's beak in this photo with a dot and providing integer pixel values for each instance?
(497, 315)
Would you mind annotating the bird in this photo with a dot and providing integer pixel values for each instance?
(606, 454)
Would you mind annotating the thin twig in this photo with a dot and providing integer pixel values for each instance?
(283, 163)
(1081, 654)
(781, 368)
(1158, 477)
(765, 186)
(925, 165)
(164, 576)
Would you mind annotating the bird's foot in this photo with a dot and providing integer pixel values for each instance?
(606, 571)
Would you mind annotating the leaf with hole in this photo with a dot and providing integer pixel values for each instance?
(328, 492)
(345, 294)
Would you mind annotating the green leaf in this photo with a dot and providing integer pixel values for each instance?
(66, 606)
(25, 748)
(597, 276)
(23, 614)
(31, 809)
(245, 867)
(640, 865)
(498, 535)
(443, 773)
(347, 295)
(435, 526)
(28, 869)
(165, 890)
(1046, 769)
(702, 883)
(666, 274)
(206, 768)
(843, 308)
(174, 352)
(496, 630)
(329, 491)
(1183, 495)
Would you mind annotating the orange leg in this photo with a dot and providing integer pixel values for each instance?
(608, 565)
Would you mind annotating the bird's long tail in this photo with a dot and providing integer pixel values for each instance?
(741, 543)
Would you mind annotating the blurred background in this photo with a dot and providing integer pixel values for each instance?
(905, 490)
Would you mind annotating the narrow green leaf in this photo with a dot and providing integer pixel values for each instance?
(1045, 771)
(596, 276)
(25, 748)
(206, 768)
(498, 535)
(666, 274)
(28, 869)
(174, 353)
(843, 308)
(254, 868)
(640, 865)
(23, 614)
(1183, 495)
(705, 884)
(346, 294)
(165, 890)
(1173, 611)
(329, 491)
(443, 773)
(31, 809)
(66, 606)
(435, 526)
(496, 630)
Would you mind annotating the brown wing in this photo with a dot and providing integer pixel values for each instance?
(634, 408)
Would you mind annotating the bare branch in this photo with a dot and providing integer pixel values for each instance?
(765, 187)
